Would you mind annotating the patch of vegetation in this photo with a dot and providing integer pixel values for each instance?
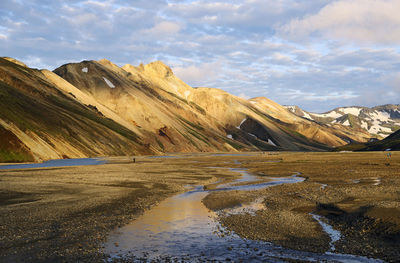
(294, 133)
(190, 140)
(234, 144)
(200, 109)
(84, 112)
(7, 156)
(191, 123)
(160, 144)
(350, 147)
(177, 97)
(197, 135)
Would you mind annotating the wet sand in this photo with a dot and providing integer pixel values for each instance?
(65, 214)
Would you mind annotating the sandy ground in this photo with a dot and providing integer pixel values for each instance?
(64, 214)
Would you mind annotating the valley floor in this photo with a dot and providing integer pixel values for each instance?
(65, 214)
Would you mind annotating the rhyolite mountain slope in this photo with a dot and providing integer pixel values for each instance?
(95, 108)
(39, 122)
(326, 134)
(379, 121)
(152, 97)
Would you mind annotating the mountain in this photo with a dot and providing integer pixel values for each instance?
(379, 121)
(96, 108)
(390, 143)
(327, 134)
(39, 122)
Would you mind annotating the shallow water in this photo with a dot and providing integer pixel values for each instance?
(231, 154)
(55, 163)
(371, 181)
(164, 156)
(182, 228)
(333, 234)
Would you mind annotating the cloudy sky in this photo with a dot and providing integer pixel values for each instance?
(318, 54)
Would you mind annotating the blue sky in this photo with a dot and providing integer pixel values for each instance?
(318, 54)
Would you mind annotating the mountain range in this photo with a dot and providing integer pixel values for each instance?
(379, 121)
(96, 108)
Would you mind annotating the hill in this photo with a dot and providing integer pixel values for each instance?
(96, 108)
(390, 143)
(379, 121)
(38, 121)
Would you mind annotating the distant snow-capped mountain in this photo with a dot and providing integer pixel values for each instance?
(379, 121)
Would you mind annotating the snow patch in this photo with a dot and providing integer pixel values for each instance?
(109, 83)
(364, 125)
(175, 88)
(271, 142)
(85, 69)
(229, 136)
(307, 116)
(380, 116)
(332, 114)
(245, 119)
(251, 134)
(376, 128)
(187, 93)
(346, 123)
(351, 110)
(291, 108)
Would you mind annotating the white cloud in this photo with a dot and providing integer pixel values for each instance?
(363, 21)
(322, 96)
(393, 81)
(241, 46)
(163, 28)
(243, 96)
(196, 75)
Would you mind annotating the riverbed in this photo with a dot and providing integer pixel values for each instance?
(67, 213)
(182, 228)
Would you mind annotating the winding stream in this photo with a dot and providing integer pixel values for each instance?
(182, 228)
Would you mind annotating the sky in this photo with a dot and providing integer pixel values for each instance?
(317, 54)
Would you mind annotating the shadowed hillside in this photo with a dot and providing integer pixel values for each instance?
(40, 121)
(390, 143)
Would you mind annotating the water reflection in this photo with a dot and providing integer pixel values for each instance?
(55, 163)
(182, 228)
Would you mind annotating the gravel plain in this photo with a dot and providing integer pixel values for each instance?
(65, 214)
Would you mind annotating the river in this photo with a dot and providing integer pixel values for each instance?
(182, 228)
